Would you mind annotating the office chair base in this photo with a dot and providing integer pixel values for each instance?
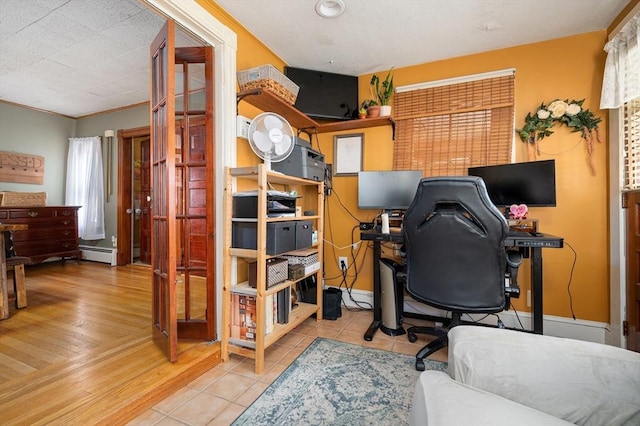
(433, 346)
(427, 350)
(393, 331)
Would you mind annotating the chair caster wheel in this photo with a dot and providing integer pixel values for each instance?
(419, 364)
(412, 337)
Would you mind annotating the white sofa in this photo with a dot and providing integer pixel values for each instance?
(504, 377)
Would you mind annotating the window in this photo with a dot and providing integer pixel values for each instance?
(631, 136)
(444, 127)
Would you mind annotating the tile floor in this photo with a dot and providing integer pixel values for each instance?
(220, 395)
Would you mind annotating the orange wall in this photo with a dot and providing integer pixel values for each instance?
(570, 68)
(564, 68)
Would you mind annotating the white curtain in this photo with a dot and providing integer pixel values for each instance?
(85, 186)
(621, 81)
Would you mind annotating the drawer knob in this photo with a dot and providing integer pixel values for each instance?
(33, 214)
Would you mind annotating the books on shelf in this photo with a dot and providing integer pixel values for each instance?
(243, 317)
(243, 313)
(284, 305)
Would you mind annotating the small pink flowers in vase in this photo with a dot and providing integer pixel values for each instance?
(518, 211)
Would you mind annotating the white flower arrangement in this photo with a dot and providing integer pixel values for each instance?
(538, 126)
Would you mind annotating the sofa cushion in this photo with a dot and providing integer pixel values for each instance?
(582, 382)
(439, 400)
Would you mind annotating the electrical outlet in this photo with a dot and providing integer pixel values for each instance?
(343, 260)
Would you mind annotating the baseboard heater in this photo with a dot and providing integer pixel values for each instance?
(100, 254)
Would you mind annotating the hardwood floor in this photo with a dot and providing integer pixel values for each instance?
(81, 352)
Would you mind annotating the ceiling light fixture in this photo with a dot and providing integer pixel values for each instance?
(330, 8)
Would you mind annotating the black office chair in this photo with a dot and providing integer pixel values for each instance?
(455, 255)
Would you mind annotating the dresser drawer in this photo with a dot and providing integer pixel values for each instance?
(32, 213)
(41, 213)
(45, 233)
(53, 222)
(44, 247)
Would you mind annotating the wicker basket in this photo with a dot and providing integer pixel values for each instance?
(23, 199)
(269, 78)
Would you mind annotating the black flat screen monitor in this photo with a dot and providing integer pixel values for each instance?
(387, 190)
(325, 95)
(532, 183)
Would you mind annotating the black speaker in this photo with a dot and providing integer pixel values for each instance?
(331, 303)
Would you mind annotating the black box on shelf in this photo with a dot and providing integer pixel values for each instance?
(304, 231)
(245, 204)
(309, 289)
(281, 236)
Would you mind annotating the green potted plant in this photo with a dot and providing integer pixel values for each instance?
(370, 108)
(382, 90)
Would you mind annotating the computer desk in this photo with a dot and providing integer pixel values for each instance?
(532, 246)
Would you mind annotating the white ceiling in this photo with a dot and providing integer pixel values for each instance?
(77, 57)
(375, 35)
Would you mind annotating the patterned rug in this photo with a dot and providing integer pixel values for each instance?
(336, 383)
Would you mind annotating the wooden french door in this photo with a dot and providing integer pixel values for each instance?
(633, 270)
(163, 201)
(195, 183)
(183, 196)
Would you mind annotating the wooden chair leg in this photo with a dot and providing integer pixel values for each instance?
(19, 286)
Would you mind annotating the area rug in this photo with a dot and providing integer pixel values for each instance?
(337, 383)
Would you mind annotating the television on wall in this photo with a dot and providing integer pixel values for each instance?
(325, 95)
(532, 183)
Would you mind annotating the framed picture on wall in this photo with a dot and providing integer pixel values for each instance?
(347, 151)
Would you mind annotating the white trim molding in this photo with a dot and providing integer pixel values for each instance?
(456, 80)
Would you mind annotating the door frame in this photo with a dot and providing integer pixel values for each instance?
(125, 191)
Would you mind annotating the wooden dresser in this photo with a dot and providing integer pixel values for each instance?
(53, 231)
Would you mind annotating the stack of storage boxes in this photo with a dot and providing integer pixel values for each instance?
(281, 236)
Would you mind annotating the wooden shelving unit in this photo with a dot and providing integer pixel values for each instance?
(266, 101)
(311, 197)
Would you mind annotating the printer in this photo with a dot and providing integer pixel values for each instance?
(303, 162)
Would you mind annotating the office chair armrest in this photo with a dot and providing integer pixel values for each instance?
(514, 259)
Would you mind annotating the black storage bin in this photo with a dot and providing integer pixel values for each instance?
(331, 303)
(309, 290)
(304, 231)
(281, 236)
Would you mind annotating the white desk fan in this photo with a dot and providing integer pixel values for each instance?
(271, 138)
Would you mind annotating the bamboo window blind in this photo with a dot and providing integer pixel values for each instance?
(443, 130)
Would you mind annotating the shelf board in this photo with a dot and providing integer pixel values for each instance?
(361, 123)
(296, 317)
(267, 101)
